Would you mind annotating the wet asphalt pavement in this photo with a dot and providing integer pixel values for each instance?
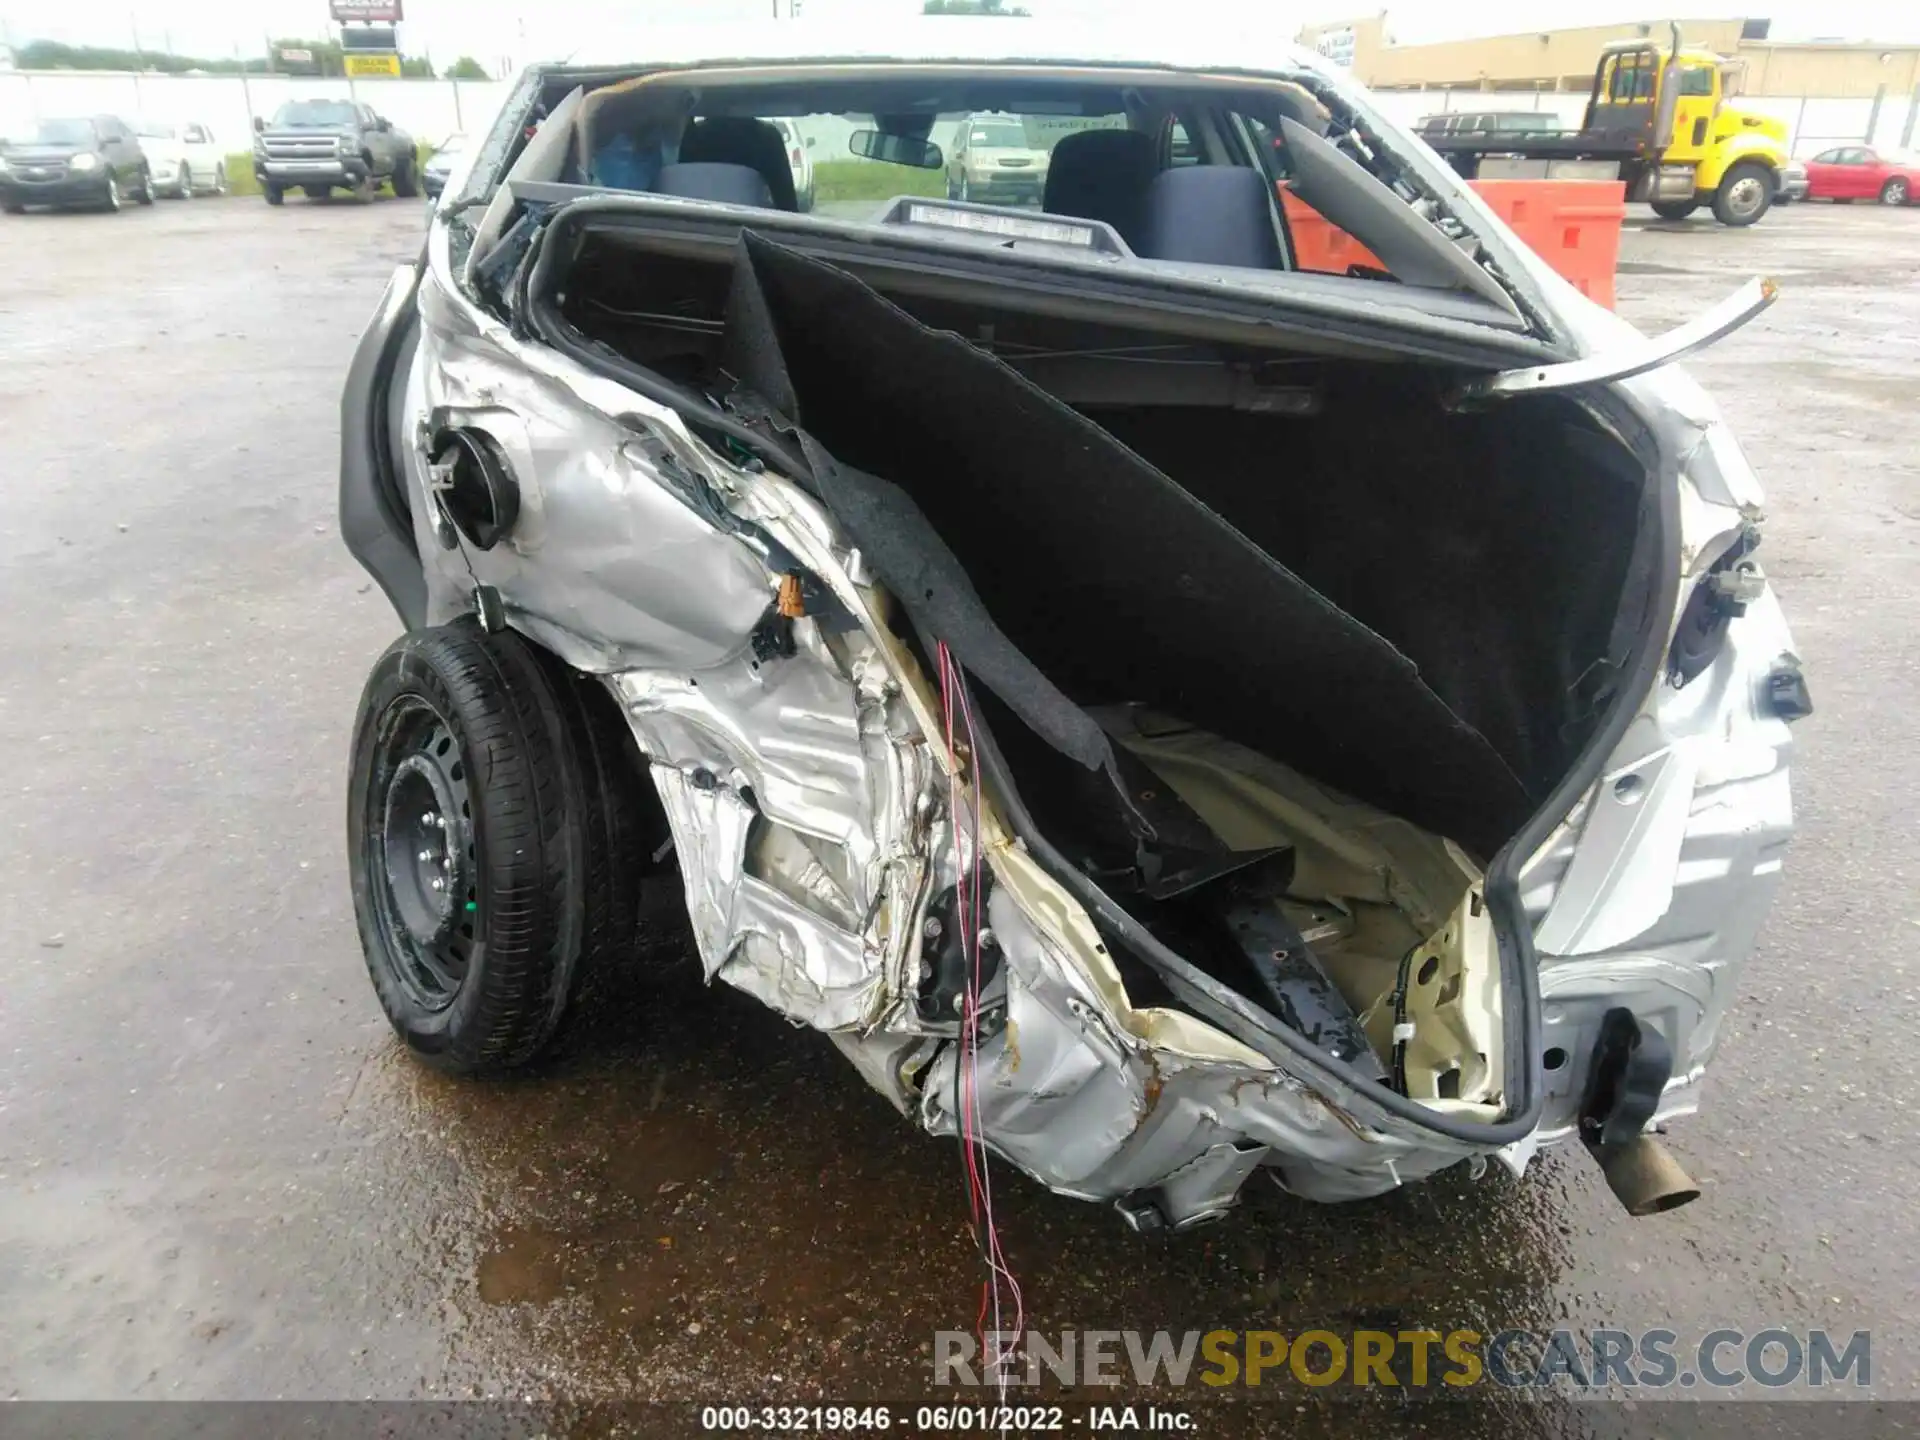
(220, 1179)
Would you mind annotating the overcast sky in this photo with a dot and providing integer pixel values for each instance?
(493, 32)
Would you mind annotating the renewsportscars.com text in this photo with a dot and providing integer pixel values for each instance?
(1597, 1359)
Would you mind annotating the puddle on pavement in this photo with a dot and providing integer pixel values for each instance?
(692, 1198)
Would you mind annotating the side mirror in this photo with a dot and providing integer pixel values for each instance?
(383, 125)
(896, 149)
(259, 126)
(809, 142)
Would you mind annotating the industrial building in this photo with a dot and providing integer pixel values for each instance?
(1563, 60)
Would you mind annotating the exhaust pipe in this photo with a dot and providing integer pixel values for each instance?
(1644, 1176)
(1629, 1073)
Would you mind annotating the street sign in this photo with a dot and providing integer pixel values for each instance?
(1337, 45)
(362, 66)
(374, 39)
(387, 10)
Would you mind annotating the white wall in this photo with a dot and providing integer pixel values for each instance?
(426, 109)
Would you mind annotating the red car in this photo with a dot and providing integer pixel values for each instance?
(1859, 172)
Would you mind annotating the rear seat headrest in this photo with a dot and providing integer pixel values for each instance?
(1211, 215)
(743, 140)
(1102, 175)
(728, 184)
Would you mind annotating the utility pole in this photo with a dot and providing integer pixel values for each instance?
(139, 64)
(246, 86)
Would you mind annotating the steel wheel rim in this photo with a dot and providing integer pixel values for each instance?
(1746, 195)
(220, 180)
(418, 850)
(1896, 192)
(113, 193)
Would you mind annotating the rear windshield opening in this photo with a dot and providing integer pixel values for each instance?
(1179, 175)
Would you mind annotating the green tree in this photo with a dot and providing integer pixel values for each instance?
(467, 68)
(52, 55)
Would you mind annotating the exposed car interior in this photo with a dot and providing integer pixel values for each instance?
(1181, 176)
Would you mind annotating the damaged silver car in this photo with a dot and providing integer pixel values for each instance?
(1162, 713)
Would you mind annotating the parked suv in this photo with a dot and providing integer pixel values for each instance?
(993, 162)
(322, 145)
(91, 161)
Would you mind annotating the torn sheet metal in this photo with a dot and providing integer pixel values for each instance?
(792, 742)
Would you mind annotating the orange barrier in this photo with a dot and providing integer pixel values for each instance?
(1574, 225)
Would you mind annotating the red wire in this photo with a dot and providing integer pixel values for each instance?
(967, 914)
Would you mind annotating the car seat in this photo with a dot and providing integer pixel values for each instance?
(1102, 175)
(1210, 215)
(742, 140)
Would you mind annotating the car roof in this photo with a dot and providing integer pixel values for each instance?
(958, 38)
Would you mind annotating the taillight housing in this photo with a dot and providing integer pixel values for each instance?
(1721, 594)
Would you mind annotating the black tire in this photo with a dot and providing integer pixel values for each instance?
(405, 184)
(466, 729)
(1675, 209)
(1895, 191)
(219, 179)
(14, 209)
(110, 200)
(274, 194)
(144, 195)
(621, 814)
(1745, 193)
(186, 182)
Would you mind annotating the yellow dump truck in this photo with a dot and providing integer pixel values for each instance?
(1658, 118)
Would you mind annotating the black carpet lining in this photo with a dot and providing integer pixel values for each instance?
(1390, 607)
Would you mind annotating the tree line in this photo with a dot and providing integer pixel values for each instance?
(971, 7)
(327, 60)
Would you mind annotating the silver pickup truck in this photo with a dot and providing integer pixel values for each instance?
(321, 145)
